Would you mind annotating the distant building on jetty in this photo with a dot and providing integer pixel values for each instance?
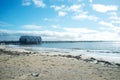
(30, 39)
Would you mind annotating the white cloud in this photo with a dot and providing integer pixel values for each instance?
(77, 36)
(55, 26)
(103, 35)
(79, 13)
(104, 8)
(71, 34)
(114, 18)
(74, 11)
(75, 8)
(72, 8)
(110, 27)
(31, 27)
(106, 24)
(90, 1)
(61, 13)
(57, 8)
(112, 13)
(80, 30)
(85, 16)
(26, 2)
(39, 3)
(59, 36)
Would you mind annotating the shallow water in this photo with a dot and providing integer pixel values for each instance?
(108, 47)
(107, 50)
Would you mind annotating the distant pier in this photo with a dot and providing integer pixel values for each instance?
(9, 42)
(18, 42)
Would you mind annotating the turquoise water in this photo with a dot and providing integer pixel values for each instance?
(115, 46)
(84, 45)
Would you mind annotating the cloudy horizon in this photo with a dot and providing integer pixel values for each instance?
(59, 20)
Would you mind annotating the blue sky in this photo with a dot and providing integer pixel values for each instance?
(60, 19)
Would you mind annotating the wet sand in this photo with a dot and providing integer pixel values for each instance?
(20, 64)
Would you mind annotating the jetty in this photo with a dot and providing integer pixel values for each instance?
(24, 40)
(9, 42)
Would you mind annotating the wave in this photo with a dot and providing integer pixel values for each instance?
(108, 55)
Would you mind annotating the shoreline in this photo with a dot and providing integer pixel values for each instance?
(87, 58)
(65, 52)
(21, 64)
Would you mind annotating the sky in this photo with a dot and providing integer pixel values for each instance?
(59, 20)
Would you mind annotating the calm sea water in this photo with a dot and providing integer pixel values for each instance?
(108, 50)
(84, 45)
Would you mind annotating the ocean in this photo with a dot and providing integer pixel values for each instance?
(107, 50)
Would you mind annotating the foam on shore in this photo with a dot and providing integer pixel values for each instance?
(110, 57)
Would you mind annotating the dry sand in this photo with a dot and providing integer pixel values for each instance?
(26, 65)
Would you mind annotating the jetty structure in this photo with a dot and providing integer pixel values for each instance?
(30, 39)
(24, 40)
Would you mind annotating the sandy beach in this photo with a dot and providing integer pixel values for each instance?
(20, 64)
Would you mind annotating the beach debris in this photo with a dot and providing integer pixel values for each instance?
(35, 74)
(71, 56)
(15, 53)
(117, 64)
(90, 59)
(77, 57)
(105, 62)
(68, 56)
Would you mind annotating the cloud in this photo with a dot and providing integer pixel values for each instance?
(32, 27)
(4, 24)
(114, 18)
(75, 7)
(110, 27)
(37, 3)
(103, 35)
(58, 36)
(74, 1)
(79, 30)
(57, 8)
(79, 13)
(104, 8)
(26, 2)
(74, 11)
(61, 13)
(85, 16)
(71, 8)
(91, 1)
(55, 26)
(106, 24)
(69, 34)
